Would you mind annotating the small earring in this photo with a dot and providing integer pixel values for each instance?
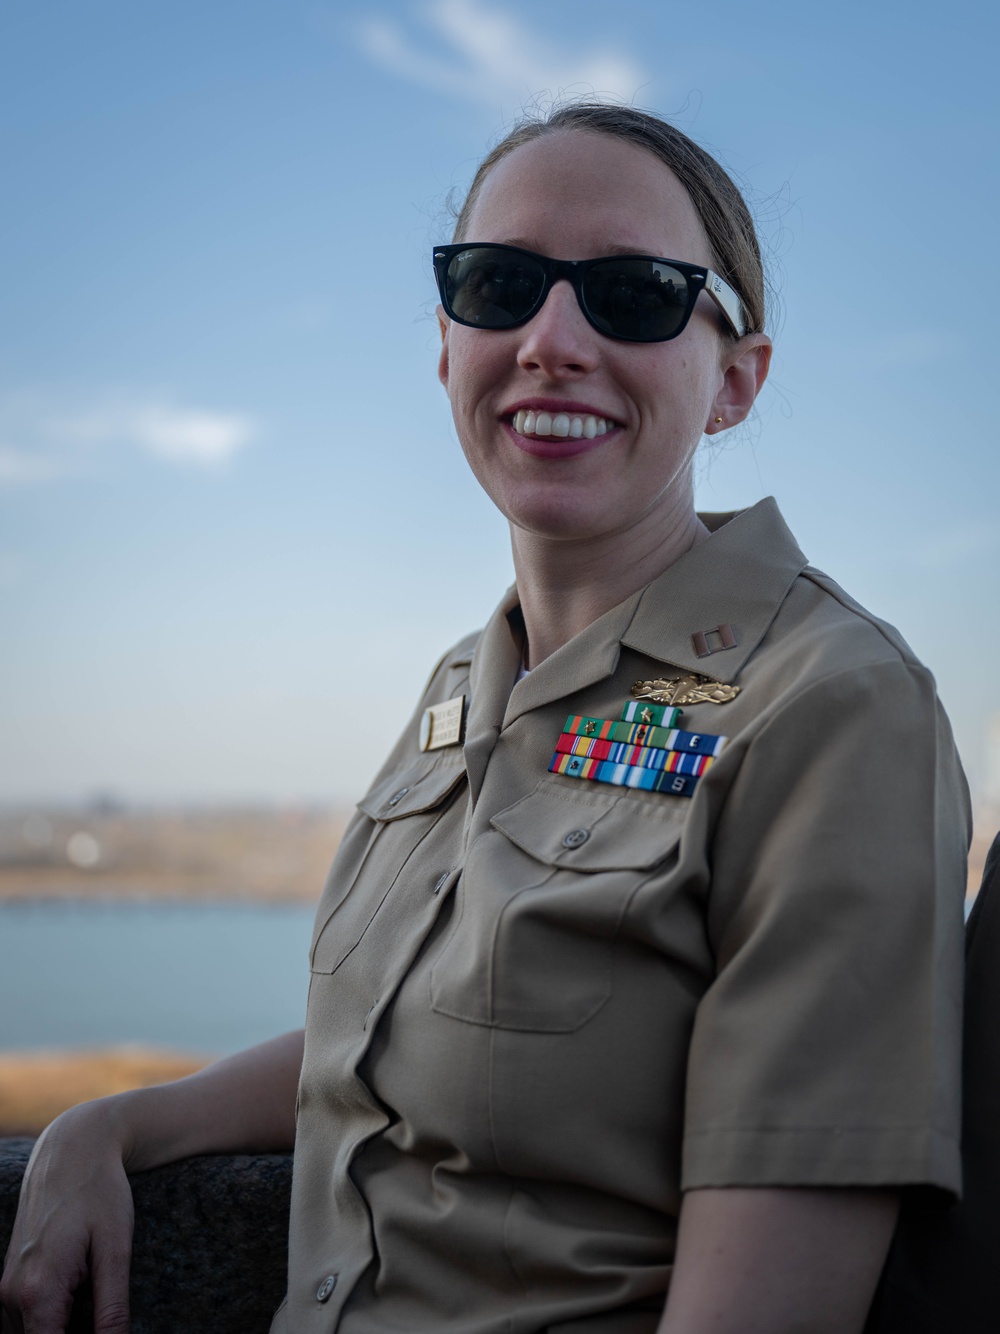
(718, 419)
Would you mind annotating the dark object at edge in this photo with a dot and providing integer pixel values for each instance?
(943, 1271)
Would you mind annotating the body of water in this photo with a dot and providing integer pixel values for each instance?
(199, 978)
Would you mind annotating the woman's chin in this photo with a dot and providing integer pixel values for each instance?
(571, 518)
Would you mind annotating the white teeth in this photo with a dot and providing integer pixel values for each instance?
(560, 424)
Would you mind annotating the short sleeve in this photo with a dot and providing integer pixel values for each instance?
(826, 1052)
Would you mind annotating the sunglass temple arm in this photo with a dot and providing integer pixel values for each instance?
(727, 301)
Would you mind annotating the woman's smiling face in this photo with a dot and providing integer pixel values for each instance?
(577, 195)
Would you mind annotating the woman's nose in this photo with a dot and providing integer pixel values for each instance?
(559, 341)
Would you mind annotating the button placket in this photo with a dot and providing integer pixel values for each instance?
(371, 1010)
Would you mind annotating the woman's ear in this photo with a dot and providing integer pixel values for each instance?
(744, 369)
(443, 324)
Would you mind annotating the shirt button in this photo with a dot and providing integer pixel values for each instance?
(442, 881)
(575, 838)
(398, 796)
(326, 1288)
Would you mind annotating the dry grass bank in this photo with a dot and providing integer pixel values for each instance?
(36, 1086)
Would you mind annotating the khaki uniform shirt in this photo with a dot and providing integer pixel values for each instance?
(541, 1008)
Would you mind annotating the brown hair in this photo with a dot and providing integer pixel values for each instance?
(719, 204)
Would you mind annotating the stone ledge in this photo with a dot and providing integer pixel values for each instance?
(211, 1239)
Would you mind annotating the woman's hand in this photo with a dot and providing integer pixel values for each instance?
(74, 1221)
(770, 1261)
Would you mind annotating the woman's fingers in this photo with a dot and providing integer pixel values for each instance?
(35, 1305)
(74, 1222)
(42, 1275)
(109, 1273)
(45, 1267)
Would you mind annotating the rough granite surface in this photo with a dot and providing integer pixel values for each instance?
(210, 1246)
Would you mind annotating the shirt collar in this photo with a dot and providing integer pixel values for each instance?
(736, 578)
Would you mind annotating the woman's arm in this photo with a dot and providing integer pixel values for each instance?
(240, 1104)
(790, 1261)
(75, 1214)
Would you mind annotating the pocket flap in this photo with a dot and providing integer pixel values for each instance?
(592, 831)
(410, 791)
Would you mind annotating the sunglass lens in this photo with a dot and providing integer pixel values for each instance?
(492, 288)
(637, 299)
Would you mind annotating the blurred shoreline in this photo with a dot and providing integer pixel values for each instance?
(255, 854)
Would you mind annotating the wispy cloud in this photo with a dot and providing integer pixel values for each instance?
(55, 437)
(180, 435)
(489, 55)
(184, 435)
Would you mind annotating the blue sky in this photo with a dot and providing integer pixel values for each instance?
(235, 526)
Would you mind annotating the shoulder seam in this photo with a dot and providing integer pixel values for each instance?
(463, 648)
(823, 582)
(459, 653)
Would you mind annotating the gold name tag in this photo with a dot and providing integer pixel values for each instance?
(441, 724)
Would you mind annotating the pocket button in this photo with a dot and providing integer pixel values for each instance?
(397, 796)
(576, 838)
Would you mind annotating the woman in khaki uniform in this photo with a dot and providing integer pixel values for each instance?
(610, 1004)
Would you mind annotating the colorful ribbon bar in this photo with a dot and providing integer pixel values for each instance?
(641, 711)
(644, 757)
(624, 775)
(642, 734)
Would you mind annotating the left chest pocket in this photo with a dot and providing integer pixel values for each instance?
(540, 905)
(399, 813)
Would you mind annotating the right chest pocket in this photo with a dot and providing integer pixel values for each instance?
(394, 819)
(540, 904)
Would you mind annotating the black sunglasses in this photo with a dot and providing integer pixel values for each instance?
(637, 298)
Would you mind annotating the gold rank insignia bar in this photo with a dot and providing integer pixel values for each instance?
(441, 724)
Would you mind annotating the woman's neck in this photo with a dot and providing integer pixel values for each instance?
(565, 585)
